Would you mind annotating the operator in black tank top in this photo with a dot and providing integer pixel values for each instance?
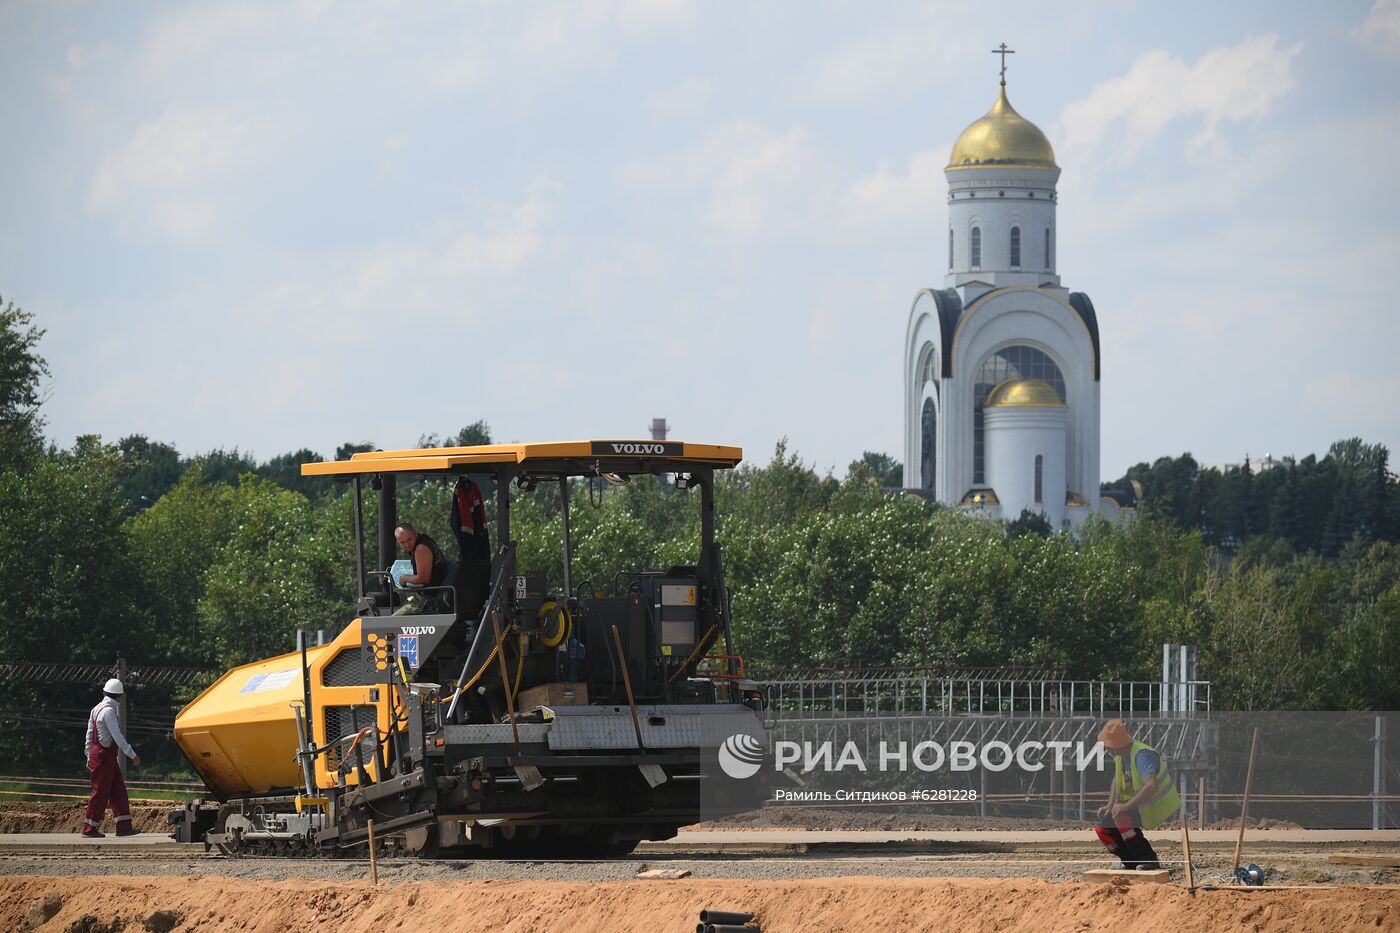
(429, 565)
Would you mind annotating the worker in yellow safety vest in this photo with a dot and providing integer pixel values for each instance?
(1143, 796)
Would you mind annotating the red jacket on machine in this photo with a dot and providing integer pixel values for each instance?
(469, 521)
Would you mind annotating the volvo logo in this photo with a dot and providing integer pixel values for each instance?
(418, 630)
(741, 756)
(638, 448)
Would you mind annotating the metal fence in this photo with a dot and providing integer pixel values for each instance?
(915, 693)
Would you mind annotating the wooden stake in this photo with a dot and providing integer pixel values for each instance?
(373, 859)
(1248, 786)
(627, 682)
(1186, 849)
(505, 679)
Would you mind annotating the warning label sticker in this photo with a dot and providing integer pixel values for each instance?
(408, 650)
(275, 680)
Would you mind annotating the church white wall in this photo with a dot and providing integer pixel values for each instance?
(921, 336)
(1014, 438)
(1040, 319)
(995, 200)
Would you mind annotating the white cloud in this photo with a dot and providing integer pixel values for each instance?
(1381, 27)
(761, 182)
(753, 178)
(891, 195)
(640, 16)
(440, 276)
(181, 149)
(173, 167)
(685, 100)
(892, 64)
(765, 187)
(1226, 84)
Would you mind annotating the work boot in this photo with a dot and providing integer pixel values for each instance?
(90, 833)
(129, 830)
(1141, 866)
(1118, 865)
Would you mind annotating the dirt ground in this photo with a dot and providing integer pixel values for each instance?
(50, 817)
(36, 817)
(75, 905)
(893, 819)
(960, 881)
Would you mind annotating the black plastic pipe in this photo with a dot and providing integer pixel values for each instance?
(724, 916)
(730, 927)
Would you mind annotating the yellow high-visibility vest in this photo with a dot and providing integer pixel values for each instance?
(1158, 808)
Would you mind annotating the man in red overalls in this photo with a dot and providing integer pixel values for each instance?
(104, 740)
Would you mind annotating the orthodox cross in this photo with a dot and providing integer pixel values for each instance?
(1003, 52)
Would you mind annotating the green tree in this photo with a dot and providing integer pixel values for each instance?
(70, 587)
(224, 466)
(285, 471)
(776, 493)
(174, 543)
(350, 448)
(887, 471)
(21, 368)
(476, 434)
(149, 470)
(1029, 523)
(279, 571)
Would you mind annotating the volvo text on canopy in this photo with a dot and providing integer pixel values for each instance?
(508, 714)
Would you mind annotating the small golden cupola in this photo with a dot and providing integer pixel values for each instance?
(1023, 393)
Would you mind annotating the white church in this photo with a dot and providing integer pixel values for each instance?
(1001, 365)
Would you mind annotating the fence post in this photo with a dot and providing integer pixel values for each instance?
(122, 674)
(1201, 804)
(1378, 820)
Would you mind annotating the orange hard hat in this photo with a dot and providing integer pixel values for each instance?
(1114, 734)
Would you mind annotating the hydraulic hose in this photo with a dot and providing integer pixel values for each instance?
(481, 670)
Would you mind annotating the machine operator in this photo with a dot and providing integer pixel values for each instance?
(429, 567)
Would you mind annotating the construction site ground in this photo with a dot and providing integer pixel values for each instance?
(955, 878)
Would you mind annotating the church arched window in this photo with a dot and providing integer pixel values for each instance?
(950, 249)
(1039, 479)
(1017, 362)
(928, 448)
(976, 247)
(1015, 247)
(928, 368)
(1047, 249)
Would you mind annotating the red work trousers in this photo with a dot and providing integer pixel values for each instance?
(108, 785)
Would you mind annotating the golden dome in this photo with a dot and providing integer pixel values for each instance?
(1023, 393)
(1002, 137)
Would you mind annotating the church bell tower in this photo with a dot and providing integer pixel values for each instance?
(1002, 363)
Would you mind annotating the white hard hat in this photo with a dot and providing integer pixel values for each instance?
(113, 686)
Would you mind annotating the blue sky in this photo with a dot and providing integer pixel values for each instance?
(286, 224)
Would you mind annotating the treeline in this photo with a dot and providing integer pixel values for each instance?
(1309, 505)
(825, 572)
(214, 560)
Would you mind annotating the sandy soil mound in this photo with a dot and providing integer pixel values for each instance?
(846, 904)
(35, 817)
